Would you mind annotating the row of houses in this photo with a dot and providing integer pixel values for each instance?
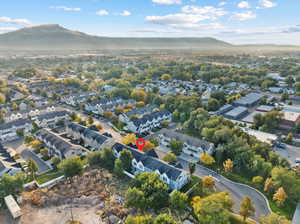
(30, 113)
(57, 145)
(127, 117)
(90, 138)
(148, 122)
(107, 104)
(142, 162)
(192, 146)
(11, 130)
(78, 98)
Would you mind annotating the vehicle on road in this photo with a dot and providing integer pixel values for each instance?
(297, 160)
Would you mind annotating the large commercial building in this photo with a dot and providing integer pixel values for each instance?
(249, 100)
(236, 113)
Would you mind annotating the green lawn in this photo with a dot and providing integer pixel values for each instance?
(191, 183)
(48, 176)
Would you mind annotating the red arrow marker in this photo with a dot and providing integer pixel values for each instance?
(140, 143)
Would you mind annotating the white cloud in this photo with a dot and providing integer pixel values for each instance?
(268, 3)
(167, 2)
(190, 18)
(222, 4)
(208, 11)
(64, 8)
(102, 12)
(244, 5)
(5, 19)
(125, 13)
(241, 16)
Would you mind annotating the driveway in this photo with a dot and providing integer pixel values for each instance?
(236, 190)
(43, 167)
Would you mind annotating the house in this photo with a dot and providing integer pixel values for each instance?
(191, 146)
(174, 177)
(59, 146)
(250, 100)
(94, 106)
(90, 138)
(30, 113)
(112, 106)
(77, 98)
(8, 131)
(51, 118)
(125, 117)
(148, 122)
(12, 206)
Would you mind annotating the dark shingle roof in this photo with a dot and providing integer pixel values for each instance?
(151, 163)
(19, 122)
(52, 115)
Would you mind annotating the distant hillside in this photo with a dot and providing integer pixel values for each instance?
(55, 37)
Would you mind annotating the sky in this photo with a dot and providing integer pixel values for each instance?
(235, 21)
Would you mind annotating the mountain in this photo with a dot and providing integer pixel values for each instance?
(55, 37)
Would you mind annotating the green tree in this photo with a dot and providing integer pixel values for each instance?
(55, 161)
(135, 198)
(257, 181)
(176, 147)
(169, 157)
(138, 220)
(108, 158)
(164, 219)
(178, 201)
(72, 166)
(94, 158)
(213, 104)
(246, 209)
(192, 168)
(165, 77)
(274, 218)
(289, 138)
(126, 159)
(32, 167)
(214, 208)
(154, 189)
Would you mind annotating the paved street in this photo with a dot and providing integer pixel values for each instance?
(237, 191)
(43, 167)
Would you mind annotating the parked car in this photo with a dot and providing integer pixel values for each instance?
(297, 160)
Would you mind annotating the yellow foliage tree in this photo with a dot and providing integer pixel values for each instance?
(207, 159)
(268, 184)
(208, 182)
(228, 165)
(148, 146)
(130, 138)
(280, 196)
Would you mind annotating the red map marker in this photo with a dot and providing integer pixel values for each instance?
(140, 143)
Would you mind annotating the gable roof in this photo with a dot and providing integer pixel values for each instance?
(151, 163)
(16, 123)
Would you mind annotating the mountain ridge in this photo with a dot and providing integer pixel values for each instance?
(53, 37)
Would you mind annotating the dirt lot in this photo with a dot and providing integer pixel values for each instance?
(96, 197)
(54, 215)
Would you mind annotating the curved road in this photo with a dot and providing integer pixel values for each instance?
(236, 190)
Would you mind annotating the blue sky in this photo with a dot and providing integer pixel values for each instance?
(236, 21)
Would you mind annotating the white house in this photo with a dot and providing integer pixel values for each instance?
(191, 146)
(47, 119)
(148, 122)
(8, 131)
(174, 177)
(91, 139)
(59, 146)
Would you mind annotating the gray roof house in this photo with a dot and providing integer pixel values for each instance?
(296, 218)
(174, 177)
(8, 131)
